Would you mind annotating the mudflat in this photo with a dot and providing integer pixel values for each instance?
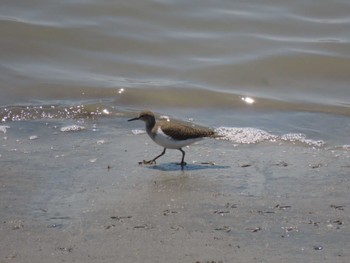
(81, 196)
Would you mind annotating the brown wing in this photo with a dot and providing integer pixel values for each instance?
(180, 131)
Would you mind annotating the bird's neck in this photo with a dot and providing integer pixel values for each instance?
(149, 126)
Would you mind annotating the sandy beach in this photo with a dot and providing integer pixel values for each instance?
(82, 197)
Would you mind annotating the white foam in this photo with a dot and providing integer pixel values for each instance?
(299, 137)
(244, 135)
(253, 135)
(137, 132)
(3, 128)
(72, 128)
(100, 142)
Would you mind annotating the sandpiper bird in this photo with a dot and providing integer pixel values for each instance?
(171, 135)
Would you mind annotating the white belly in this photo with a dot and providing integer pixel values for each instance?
(167, 142)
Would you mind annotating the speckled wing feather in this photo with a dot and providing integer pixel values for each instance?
(182, 132)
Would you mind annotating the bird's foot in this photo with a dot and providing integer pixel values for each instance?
(148, 162)
(182, 164)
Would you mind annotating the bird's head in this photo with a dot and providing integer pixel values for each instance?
(146, 116)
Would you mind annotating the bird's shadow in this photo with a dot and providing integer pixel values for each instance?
(187, 167)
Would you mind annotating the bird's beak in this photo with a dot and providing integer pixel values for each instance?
(134, 119)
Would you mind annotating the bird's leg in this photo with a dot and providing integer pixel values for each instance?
(153, 161)
(183, 158)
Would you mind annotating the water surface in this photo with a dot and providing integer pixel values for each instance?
(73, 59)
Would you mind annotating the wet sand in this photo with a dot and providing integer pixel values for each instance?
(82, 197)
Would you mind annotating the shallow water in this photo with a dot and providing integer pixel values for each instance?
(272, 65)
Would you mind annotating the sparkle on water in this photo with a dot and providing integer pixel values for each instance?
(248, 100)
